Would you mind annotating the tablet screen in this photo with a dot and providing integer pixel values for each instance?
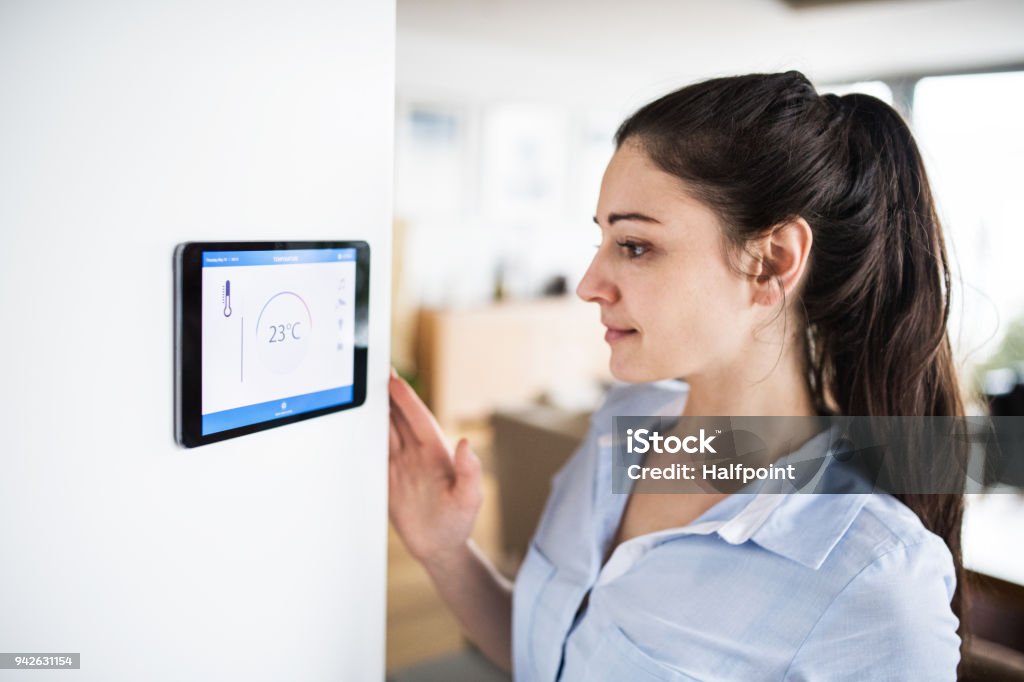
(267, 334)
(277, 334)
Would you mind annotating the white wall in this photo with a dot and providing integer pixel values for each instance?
(126, 128)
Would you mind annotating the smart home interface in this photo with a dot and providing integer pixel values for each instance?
(277, 334)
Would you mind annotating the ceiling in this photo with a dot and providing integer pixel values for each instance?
(576, 47)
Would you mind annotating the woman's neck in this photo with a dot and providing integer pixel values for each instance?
(773, 386)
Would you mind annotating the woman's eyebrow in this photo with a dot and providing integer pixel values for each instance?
(615, 217)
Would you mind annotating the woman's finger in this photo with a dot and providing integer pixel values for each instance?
(432, 454)
(402, 428)
(417, 415)
(394, 439)
(467, 475)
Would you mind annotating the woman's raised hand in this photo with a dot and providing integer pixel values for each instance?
(434, 495)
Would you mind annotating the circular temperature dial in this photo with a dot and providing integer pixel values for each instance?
(283, 332)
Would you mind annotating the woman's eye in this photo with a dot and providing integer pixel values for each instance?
(633, 249)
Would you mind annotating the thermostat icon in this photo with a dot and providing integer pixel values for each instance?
(227, 298)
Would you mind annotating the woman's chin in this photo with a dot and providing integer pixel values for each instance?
(633, 373)
(630, 373)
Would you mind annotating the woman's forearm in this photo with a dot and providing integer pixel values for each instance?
(480, 598)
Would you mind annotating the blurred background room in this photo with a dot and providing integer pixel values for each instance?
(505, 112)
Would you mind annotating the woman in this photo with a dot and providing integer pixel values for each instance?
(780, 251)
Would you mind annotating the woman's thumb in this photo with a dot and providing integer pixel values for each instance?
(467, 474)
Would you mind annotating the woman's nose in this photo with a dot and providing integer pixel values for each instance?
(595, 287)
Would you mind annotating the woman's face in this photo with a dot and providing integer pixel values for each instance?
(674, 305)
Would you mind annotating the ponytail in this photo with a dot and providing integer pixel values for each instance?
(888, 352)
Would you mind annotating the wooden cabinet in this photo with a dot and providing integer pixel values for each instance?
(473, 360)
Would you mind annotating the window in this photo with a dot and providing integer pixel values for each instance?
(968, 128)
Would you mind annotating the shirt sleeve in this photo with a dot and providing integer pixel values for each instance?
(892, 621)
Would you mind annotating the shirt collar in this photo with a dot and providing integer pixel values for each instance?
(806, 527)
(802, 527)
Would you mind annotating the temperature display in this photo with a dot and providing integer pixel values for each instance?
(285, 344)
(277, 334)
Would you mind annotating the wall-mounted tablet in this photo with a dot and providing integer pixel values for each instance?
(267, 333)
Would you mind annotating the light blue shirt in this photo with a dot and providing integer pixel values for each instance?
(808, 587)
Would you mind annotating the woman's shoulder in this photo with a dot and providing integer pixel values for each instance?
(892, 602)
(852, 536)
(888, 528)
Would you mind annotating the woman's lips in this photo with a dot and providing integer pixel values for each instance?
(613, 335)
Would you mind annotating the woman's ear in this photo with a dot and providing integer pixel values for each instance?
(782, 256)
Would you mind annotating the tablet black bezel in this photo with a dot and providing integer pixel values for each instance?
(188, 336)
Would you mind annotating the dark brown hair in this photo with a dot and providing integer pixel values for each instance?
(763, 149)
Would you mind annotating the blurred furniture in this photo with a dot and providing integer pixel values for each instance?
(473, 360)
(985, 661)
(529, 446)
(996, 610)
(403, 302)
(1004, 390)
(466, 665)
